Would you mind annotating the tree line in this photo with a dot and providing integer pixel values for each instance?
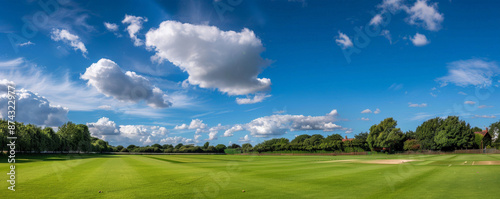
(444, 134)
(69, 137)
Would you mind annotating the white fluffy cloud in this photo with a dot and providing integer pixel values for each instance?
(343, 41)
(135, 24)
(366, 111)
(376, 20)
(71, 39)
(235, 128)
(279, 124)
(226, 60)
(392, 5)
(419, 40)
(417, 105)
(426, 15)
(365, 119)
(31, 107)
(212, 135)
(55, 87)
(195, 124)
(107, 77)
(244, 139)
(377, 111)
(472, 72)
(259, 97)
(421, 13)
(103, 127)
(176, 140)
(111, 26)
(133, 134)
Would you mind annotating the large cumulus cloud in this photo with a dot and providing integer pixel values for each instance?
(32, 108)
(107, 77)
(142, 135)
(279, 124)
(225, 60)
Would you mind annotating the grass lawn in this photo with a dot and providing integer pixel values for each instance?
(225, 176)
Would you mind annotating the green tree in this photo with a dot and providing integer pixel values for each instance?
(247, 147)
(411, 145)
(333, 137)
(426, 131)
(494, 131)
(205, 146)
(360, 141)
(454, 134)
(131, 147)
(300, 139)
(478, 138)
(4, 133)
(385, 135)
(119, 147)
(220, 148)
(178, 146)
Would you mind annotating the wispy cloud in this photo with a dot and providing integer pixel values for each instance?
(472, 72)
(417, 105)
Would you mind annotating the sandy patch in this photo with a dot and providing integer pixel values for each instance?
(486, 162)
(388, 161)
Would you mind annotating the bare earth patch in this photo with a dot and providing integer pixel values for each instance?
(389, 161)
(487, 163)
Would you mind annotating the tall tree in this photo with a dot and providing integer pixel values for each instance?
(426, 131)
(385, 135)
(494, 131)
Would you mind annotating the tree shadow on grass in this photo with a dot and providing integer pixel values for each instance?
(25, 158)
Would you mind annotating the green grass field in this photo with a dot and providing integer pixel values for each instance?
(225, 176)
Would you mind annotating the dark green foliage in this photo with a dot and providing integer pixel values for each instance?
(69, 137)
(119, 147)
(220, 148)
(178, 146)
(247, 147)
(494, 131)
(445, 134)
(411, 145)
(386, 135)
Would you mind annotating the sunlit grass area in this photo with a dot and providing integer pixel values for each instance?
(241, 176)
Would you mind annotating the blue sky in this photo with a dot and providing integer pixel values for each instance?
(170, 72)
